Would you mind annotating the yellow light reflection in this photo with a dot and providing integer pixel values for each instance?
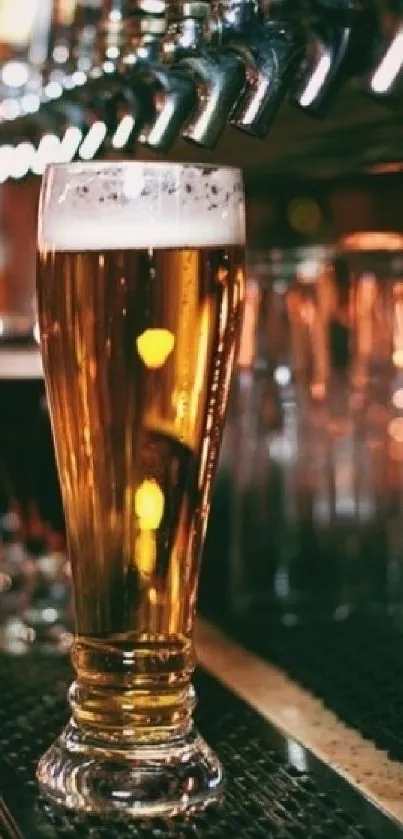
(146, 552)
(149, 503)
(154, 346)
(373, 241)
(318, 390)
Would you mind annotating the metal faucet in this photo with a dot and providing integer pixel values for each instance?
(165, 69)
(271, 48)
(107, 95)
(219, 74)
(128, 38)
(338, 45)
(240, 63)
(170, 90)
(194, 86)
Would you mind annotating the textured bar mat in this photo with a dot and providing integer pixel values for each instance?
(275, 789)
(355, 667)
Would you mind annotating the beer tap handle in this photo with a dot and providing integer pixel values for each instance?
(338, 43)
(172, 97)
(194, 85)
(170, 92)
(219, 79)
(272, 54)
(219, 74)
(385, 77)
(127, 39)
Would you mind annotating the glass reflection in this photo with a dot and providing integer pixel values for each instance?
(316, 438)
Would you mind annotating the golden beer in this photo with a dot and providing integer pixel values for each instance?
(139, 331)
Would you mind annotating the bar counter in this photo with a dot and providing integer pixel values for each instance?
(306, 719)
(293, 768)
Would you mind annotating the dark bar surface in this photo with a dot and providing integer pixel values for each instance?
(354, 666)
(275, 789)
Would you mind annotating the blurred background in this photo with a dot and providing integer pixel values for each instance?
(306, 98)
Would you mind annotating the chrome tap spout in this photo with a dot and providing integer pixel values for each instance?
(172, 97)
(339, 42)
(271, 52)
(195, 84)
(219, 78)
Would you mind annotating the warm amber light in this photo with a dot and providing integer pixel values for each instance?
(247, 346)
(146, 552)
(149, 503)
(307, 312)
(367, 292)
(17, 21)
(318, 390)
(398, 291)
(67, 11)
(372, 241)
(154, 346)
(397, 398)
(222, 276)
(395, 450)
(397, 358)
(395, 429)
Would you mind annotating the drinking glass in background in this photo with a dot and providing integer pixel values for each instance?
(34, 592)
(35, 601)
(314, 442)
(140, 289)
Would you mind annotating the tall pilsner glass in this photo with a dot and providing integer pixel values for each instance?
(140, 287)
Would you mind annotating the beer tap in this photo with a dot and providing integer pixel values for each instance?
(105, 105)
(194, 86)
(271, 47)
(128, 37)
(241, 63)
(164, 69)
(338, 44)
(60, 41)
(171, 91)
(70, 46)
(385, 78)
(65, 68)
(84, 34)
(218, 74)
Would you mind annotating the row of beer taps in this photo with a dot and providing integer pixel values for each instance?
(163, 69)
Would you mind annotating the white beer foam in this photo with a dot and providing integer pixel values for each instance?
(108, 205)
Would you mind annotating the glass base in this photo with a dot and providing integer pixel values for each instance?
(166, 779)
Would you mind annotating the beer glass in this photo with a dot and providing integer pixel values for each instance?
(140, 288)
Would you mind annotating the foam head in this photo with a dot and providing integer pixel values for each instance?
(104, 206)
